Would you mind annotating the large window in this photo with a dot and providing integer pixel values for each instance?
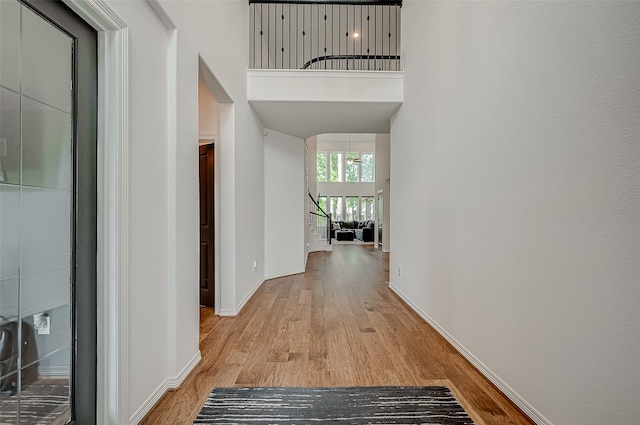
(336, 167)
(321, 221)
(367, 164)
(366, 208)
(352, 168)
(351, 210)
(336, 208)
(321, 167)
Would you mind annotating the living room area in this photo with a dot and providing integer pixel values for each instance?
(351, 169)
(353, 231)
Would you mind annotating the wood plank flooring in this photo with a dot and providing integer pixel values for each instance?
(338, 324)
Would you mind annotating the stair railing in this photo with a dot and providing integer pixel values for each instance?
(360, 62)
(325, 34)
(322, 213)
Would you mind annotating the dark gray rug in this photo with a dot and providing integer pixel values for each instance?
(353, 405)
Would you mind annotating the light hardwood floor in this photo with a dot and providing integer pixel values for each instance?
(338, 324)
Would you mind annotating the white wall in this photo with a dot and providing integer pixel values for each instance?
(346, 189)
(208, 112)
(360, 142)
(312, 188)
(383, 174)
(148, 253)
(290, 101)
(516, 153)
(164, 49)
(284, 220)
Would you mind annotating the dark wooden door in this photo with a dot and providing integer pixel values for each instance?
(206, 226)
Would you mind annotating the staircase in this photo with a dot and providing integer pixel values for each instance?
(318, 234)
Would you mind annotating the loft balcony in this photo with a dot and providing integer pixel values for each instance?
(320, 66)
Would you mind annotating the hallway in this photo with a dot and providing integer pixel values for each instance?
(338, 324)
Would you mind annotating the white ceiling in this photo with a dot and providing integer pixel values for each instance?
(307, 103)
(307, 118)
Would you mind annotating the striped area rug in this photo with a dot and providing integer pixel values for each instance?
(40, 404)
(434, 405)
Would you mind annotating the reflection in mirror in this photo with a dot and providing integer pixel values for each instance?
(36, 216)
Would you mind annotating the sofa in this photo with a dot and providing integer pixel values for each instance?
(362, 230)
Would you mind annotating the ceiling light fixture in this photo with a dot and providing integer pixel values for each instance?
(356, 34)
(351, 159)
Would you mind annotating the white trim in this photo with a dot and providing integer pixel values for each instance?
(97, 14)
(53, 371)
(326, 73)
(527, 408)
(113, 209)
(236, 311)
(166, 385)
(285, 274)
(172, 195)
(216, 225)
(207, 137)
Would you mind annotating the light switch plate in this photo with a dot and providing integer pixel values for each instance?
(42, 323)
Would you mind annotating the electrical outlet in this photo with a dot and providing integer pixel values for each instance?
(255, 264)
(42, 323)
(399, 271)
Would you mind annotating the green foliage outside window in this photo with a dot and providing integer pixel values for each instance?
(336, 167)
(368, 167)
(321, 167)
(366, 208)
(336, 208)
(352, 208)
(333, 167)
(322, 202)
(351, 170)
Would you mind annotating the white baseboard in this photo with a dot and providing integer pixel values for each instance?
(53, 371)
(527, 408)
(228, 312)
(170, 383)
(283, 274)
(324, 248)
(235, 311)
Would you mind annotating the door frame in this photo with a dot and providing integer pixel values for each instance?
(214, 139)
(211, 179)
(380, 212)
(84, 211)
(113, 210)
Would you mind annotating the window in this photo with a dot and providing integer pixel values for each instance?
(351, 170)
(366, 208)
(321, 167)
(351, 208)
(337, 164)
(333, 167)
(336, 208)
(367, 162)
(321, 221)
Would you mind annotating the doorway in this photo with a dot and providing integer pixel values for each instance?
(380, 218)
(48, 98)
(207, 220)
